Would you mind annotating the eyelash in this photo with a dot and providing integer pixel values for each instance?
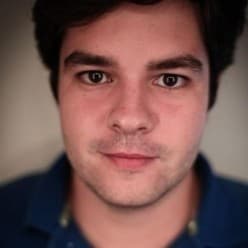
(87, 80)
(183, 80)
(107, 79)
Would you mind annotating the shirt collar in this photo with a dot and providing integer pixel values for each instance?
(221, 218)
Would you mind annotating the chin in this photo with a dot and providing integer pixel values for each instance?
(135, 193)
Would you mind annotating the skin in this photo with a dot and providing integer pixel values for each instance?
(132, 139)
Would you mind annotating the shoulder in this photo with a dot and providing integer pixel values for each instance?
(227, 214)
(30, 206)
(17, 186)
(14, 198)
(223, 210)
(220, 188)
(16, 195)
(238, 190)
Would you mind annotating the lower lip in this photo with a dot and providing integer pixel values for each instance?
(130, 163)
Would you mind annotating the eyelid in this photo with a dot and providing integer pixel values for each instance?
(80, 74)
(183, 80)
(173, 74)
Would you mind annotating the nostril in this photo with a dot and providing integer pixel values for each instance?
(134, 118)
(116, 127)
(142, 129)
(129, 128)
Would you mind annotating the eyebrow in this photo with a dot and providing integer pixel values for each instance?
(182, 61)
(85, 58)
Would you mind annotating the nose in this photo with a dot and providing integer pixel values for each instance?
(131, 113)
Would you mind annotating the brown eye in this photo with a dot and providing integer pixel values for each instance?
(93, 77)
(171, 81)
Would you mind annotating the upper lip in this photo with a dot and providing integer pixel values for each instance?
(129, 155)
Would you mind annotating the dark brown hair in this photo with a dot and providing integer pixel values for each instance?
(222, 22)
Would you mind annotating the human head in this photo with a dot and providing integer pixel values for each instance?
(222, 22)
(131, 117)
(132, 136)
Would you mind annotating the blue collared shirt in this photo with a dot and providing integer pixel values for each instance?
(31, 211)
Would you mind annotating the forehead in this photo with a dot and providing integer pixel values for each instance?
(166, 27)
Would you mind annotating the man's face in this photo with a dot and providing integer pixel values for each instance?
(133, 96)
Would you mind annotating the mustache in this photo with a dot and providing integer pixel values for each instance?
(128, 143)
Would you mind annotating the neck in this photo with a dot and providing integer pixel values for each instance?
(153, 226)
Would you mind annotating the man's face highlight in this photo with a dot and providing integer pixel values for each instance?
(133, 98)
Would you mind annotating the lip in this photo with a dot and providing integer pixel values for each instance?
(130, 161)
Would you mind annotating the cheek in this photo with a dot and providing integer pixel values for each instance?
(193, 124)
(76, 118)
(81, 116)
(183, 124)
(193, 114)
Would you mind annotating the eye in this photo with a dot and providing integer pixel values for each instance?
(171, 81)
(94, 77)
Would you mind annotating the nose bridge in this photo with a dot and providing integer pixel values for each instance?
(131, 98)
(131, 112)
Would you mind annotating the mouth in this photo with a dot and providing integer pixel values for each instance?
(130, 161)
